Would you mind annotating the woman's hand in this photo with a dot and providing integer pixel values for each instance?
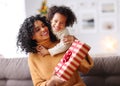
(54, 81)
(68, 39)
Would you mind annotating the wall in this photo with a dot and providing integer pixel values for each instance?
(96, 34)
(12, 14)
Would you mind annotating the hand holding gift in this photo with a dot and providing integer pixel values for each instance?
(71, 60)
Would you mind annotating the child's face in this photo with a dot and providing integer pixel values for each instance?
(58, 22)
(41, 31)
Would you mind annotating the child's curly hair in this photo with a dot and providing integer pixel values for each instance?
(26, 31)
(66, 11)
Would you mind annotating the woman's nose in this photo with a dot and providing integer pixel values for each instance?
(42, 29)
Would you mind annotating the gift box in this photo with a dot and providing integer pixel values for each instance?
(71, 60)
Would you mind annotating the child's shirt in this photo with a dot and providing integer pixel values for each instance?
(61, 46)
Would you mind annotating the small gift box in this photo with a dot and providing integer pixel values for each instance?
(71, 60)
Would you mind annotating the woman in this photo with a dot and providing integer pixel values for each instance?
(34, 32)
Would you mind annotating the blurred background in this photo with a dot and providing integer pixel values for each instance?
(97, 23)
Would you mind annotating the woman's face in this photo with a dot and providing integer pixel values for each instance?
(41, 31)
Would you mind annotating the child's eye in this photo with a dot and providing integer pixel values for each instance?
(55, 21)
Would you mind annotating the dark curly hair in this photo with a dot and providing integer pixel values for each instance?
(66, 11)
(26, 31)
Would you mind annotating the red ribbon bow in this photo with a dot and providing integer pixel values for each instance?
(65, 59)
(67, 56)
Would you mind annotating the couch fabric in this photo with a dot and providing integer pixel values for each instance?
(14, 72)
(106, 72)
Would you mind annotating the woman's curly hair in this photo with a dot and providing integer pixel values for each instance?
(66, 11)
(26, 31)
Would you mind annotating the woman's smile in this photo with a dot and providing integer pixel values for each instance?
(45, 33)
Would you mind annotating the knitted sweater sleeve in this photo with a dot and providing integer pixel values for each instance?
(61, 46)
(86, 64)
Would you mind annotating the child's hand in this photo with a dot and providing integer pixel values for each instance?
(42, 50)
(68, 39)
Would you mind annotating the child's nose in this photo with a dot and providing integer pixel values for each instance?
(57, 24)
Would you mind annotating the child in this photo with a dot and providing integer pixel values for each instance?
(60, 17)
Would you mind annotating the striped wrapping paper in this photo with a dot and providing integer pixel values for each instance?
(71, 60)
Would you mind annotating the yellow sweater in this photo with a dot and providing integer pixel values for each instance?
(42, 68)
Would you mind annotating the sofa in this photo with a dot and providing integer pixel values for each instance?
(106, 72)
(14, 72)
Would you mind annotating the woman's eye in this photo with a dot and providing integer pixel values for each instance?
(37, 29)
(43, 25)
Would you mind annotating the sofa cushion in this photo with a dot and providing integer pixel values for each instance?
(106, 72)
(106, 66)
(14, 68)
(2, 82)
(94, 80)
(19, 83)
(112, 80)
